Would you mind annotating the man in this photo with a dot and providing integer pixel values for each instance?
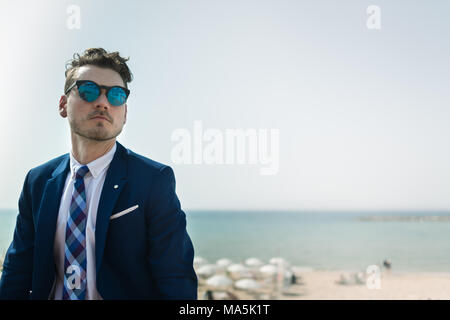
(101, 222)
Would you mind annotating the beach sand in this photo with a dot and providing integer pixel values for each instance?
(322, 285)
(393, 286)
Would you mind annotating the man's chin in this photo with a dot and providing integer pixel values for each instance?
(98, 135)
(100, 138)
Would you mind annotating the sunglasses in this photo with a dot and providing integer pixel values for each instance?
(90, 91)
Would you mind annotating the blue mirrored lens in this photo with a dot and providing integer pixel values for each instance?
(89, 91)
(117, 96)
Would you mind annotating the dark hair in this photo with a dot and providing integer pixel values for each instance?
(100, 58)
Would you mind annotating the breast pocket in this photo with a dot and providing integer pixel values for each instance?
(126, 233)
(122, 213)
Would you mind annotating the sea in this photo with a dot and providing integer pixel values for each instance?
(314, 240)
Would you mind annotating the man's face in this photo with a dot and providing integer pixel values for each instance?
(97, 120)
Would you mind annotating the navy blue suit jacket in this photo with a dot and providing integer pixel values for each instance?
(145, 254)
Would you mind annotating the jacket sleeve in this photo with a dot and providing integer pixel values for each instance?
(15, 282)
(171, 251)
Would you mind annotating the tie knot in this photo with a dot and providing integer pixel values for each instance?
(82, 172)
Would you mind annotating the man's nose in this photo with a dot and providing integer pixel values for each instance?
(102, 101)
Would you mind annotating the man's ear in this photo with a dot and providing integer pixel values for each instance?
(63, 106)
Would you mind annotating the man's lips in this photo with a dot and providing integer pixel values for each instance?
(100, 117)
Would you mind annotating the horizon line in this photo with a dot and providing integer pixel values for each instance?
(304, 209)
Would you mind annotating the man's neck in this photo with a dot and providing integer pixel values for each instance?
(86, 151)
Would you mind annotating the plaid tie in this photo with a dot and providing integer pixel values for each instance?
(75, 246)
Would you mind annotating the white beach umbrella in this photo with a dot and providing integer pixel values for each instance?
(219, 280)
(253, 262)
(239, 271)
(206, 270)
(247, 284)
(278, 261)
(268, 270)
(224, 262)
(236, 268)
(198, 261)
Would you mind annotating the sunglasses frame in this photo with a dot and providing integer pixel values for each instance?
(78, 83)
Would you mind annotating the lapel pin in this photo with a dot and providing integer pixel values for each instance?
(116, 186)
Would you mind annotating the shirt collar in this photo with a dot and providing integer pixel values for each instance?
(97, 166)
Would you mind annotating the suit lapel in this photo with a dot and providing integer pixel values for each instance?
(114, 182)
(46, 225)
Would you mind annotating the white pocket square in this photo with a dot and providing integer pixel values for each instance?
(121, 213)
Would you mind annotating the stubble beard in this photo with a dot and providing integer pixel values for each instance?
(97, 133)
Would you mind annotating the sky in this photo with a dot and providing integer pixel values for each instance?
(360, 116)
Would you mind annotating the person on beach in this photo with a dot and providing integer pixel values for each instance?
(100, 222)
(387, 264)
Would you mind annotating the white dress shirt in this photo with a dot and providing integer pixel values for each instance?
(93, 182)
